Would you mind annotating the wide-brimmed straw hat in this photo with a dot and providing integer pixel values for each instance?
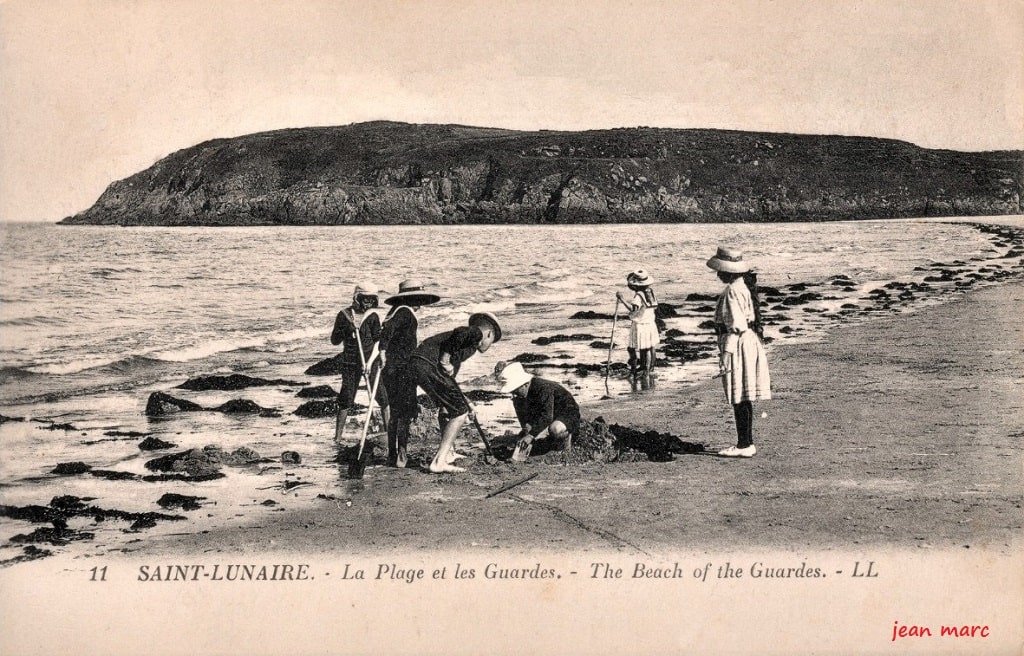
(513, 376)
(364, 289)
(489, 318)
(729, 260)
(639, 278)
(410, 292)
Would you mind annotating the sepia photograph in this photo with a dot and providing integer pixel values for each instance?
(473, 327)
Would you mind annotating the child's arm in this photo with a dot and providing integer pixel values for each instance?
(341, 323)
(461, 338)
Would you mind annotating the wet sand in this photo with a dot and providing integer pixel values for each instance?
(904, 431)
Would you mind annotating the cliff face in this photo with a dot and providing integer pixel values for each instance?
(395, 173)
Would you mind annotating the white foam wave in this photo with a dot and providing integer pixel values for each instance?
(206, 349)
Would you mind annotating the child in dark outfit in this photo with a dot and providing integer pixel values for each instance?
(434, 365)
(398, 340)
(348, 321)
(544, 409)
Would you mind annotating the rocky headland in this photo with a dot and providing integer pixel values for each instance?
(398, 173)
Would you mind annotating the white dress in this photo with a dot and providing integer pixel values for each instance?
(643, 331)
(742, 352)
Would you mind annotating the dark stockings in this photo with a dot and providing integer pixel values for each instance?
(744, 413)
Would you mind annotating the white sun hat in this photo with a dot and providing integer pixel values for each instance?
(364, 288)
(729, 260)
(513, 376)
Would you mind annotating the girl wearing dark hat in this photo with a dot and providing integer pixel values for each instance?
(744, 365)
(643, 329)
(398, 340)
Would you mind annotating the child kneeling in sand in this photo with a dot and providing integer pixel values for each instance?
(434, 365)
(544, 409)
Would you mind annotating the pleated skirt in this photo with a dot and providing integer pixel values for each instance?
(748, 378)
(643, 336)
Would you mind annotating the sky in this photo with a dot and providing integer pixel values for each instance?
(91, 92)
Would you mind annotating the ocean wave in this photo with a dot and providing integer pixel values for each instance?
(274, 343)
(206, 349)
(12, 374)
(35, 320)
(125, 365)
(110, 272)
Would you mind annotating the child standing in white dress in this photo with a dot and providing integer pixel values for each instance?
(744, 366)
(643, 329)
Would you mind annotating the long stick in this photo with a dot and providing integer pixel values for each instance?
(508, 486)
(611, 345)
(476, 423)
(369, 413)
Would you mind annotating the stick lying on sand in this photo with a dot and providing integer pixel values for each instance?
(508, 486)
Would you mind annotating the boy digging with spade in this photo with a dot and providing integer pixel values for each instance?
(434, 365)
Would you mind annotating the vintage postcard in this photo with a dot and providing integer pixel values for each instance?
(511, 327)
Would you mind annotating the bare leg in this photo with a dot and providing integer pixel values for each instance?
(451, 429)
(339, 423)
(402, 430)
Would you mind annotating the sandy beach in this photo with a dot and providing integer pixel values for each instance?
(904, 431)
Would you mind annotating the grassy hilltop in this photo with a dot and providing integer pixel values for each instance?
(398, 173)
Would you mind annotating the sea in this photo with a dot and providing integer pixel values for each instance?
(93, 319)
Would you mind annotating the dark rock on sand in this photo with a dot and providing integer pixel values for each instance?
(317, 409)
(185, 502)
(33, 513)
(70, 468)
(666, 311)
(579, 337)
(63, 508)
(701, 297)
(598, 344)
(527, 358)
(118, 433)
(113, 475)
(155, 444)
(233, 382)
(205, 461)
(57, 536)
(194, 462)
(590, 314)
(317, 392)
(246, 407)
(802, 299)
(479, 395)
(658, 447)
(4, 419)
(328, 367)
(290, 458)
(183, 478)
(708, 324)
(28, 553)
(160, 404)
(54, 426)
